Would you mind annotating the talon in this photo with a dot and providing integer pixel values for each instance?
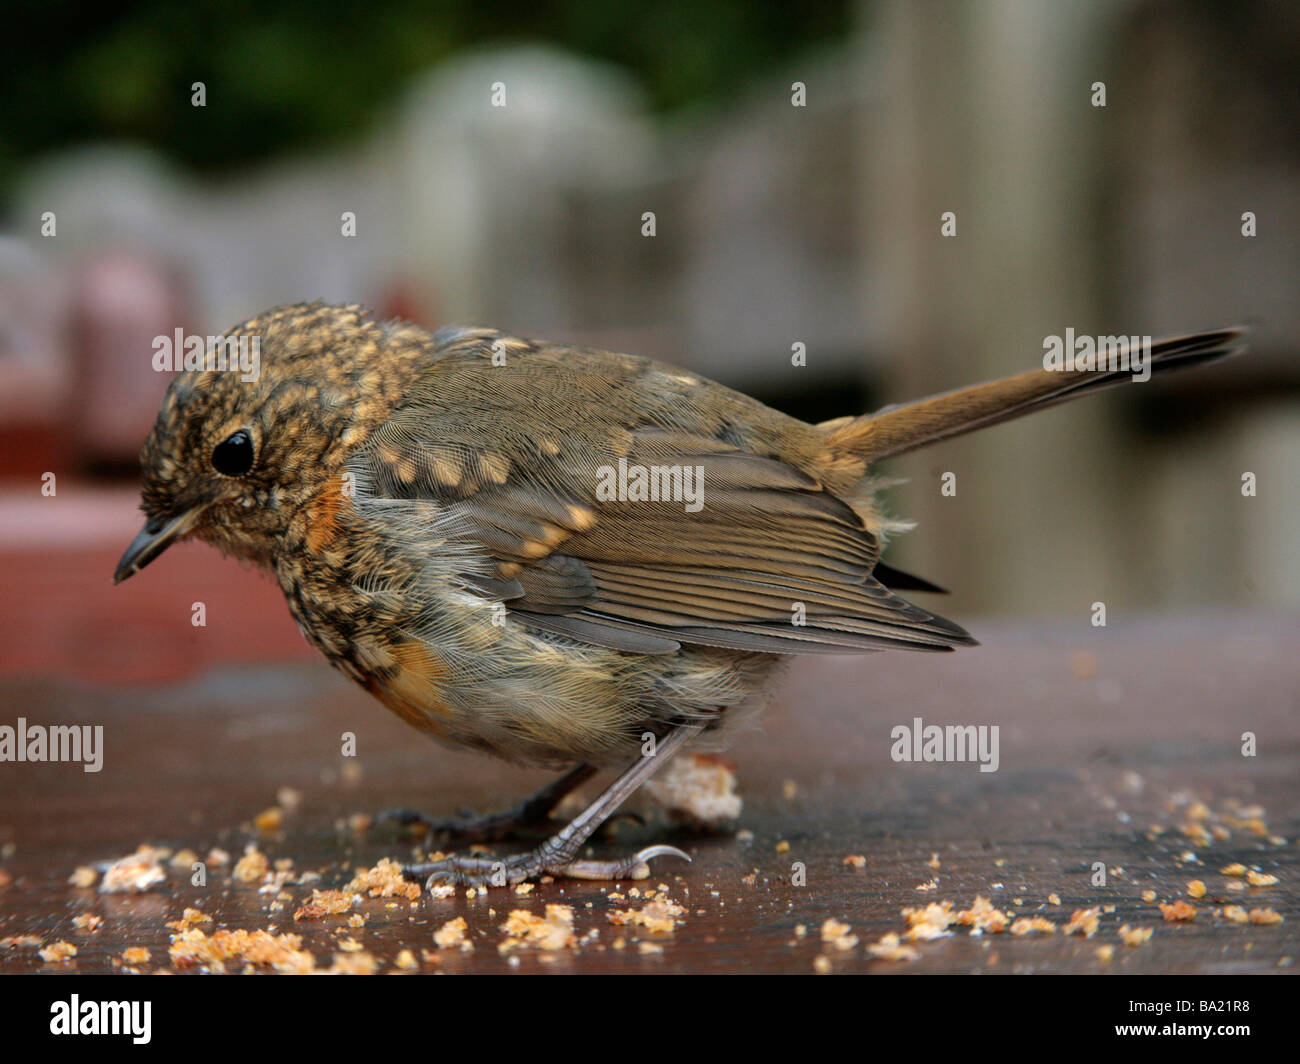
(661, 850)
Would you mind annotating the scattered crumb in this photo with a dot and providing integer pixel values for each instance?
(1148, 895)
(269, 821)
(1235, 913)
(1196, 889)
(929, 922)
(1083, 922)
(283, 952)
(1260, 879)
(1233, 869)
(1028, 925)
(136, 955)
(855, 860)
(84, 877)
(983, 916)
(553, 931)
(1054, 898)
(58, 951)
(838, 934)
(252, 866)
(1179, 910)
(452, 934)
(1265, 916)
(87, 922)
(1105, 954)
(1134, 936)
(659, 916)
(385, 880)
(406, 961)
(697, 787)
(135, 873)
(890, 948)
(326, 903)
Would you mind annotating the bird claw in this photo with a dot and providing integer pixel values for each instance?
(467, 871)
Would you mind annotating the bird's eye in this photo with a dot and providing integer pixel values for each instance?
(234, 457)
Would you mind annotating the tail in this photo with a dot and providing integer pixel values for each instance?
(898, 429)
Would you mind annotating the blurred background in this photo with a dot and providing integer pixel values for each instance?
(1116, 167)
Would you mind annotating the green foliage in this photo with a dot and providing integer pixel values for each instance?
(282, 76)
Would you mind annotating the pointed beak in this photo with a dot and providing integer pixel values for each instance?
(154, 538)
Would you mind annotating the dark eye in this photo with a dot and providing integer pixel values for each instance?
(234, 457)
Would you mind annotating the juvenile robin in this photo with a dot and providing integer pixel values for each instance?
(557, 555)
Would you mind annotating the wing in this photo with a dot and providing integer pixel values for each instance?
(630, 505)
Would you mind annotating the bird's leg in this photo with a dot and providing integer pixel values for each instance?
(532, 812)
(557, 856)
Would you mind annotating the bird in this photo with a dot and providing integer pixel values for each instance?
(557, 555)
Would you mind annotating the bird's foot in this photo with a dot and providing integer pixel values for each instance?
(549, 859)
(470, 826)
(533, 813)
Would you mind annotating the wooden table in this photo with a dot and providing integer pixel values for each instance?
(1118, 747)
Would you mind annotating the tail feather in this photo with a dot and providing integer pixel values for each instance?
(898, 429)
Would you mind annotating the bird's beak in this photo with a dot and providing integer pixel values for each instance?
(156, 536)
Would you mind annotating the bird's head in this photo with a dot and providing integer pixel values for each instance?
(240, 445)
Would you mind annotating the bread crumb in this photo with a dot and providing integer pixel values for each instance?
(855, 860)
(136, 955)
(929, 922)
(83, 877)
(554, 931)
(1105, 954)
(252, 866)
(1134, 936)
(406, 961)
(1083, 922)
(698, 787)
(1179, 910)
(1234, 869)
(136, 872)
(269, 821)
(1028, 925)
(890, 948)
(1054, 898)
(1260, 879)
(452, 934)
(283, 952)
(1235, 913)
(838, 934)
(326, 903)
(386, 880)
(1265, 916)
(659, 916)
(1148, 895)
(58, 951)
(982, 917)
(1196, 889)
